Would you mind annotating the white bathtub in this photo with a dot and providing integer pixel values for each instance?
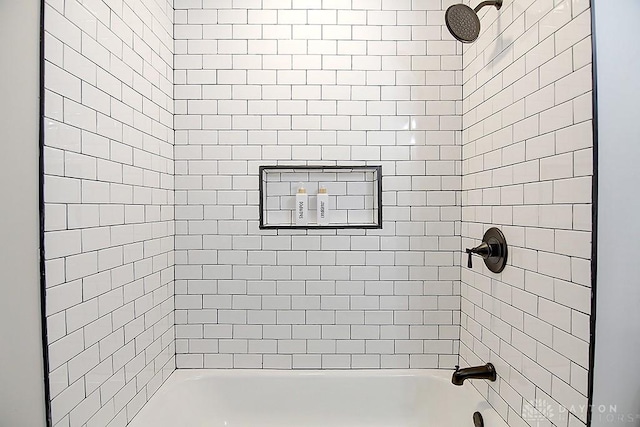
(264, 398)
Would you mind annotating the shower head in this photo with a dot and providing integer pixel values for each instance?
(463, 22)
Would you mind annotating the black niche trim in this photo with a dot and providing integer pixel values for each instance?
(263, 226)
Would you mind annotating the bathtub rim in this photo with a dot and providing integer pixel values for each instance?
(440, 376)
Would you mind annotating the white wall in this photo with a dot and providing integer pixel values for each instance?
(616, 379)
(21, 366)
(527, 155)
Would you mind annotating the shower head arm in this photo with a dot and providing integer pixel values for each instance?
(496, 3)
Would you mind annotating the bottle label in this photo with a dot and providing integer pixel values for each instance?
(301, 209)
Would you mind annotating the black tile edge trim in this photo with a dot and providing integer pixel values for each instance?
(43, 276)
(594, 224)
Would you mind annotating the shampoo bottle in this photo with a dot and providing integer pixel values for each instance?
(323, 206)
(302, 207)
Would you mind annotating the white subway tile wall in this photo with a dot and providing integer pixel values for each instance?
(527, 167)
(109, 206)
(349, 82)
(142, 100)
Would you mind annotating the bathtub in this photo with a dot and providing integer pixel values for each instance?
(264, 398)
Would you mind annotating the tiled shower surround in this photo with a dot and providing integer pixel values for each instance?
(109, 198)
(308, 83)
(142, 94)
(527, 166)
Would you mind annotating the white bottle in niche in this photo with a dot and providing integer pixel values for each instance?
(302, 206)
(323, 206)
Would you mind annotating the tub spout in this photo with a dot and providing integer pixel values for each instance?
(484, 372)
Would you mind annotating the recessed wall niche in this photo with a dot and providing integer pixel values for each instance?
(355, 195)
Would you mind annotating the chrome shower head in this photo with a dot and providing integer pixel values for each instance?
(463, 22)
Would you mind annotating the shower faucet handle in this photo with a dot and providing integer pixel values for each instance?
(493, 250)
(484, 250)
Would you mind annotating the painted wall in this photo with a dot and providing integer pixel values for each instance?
(310, 82)
(21, 359)
(109, 206)
(527, 166)
(616, 395)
